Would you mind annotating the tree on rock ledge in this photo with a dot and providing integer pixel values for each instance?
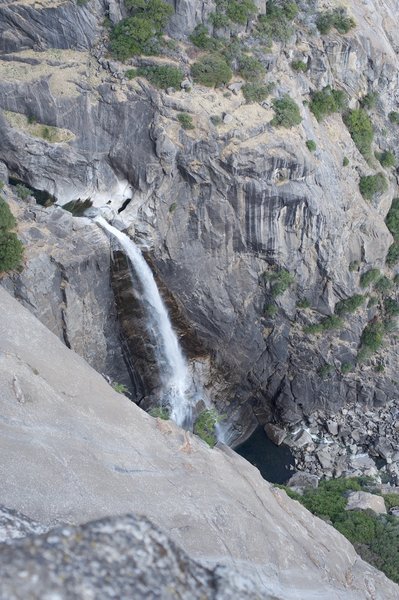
(11, 249)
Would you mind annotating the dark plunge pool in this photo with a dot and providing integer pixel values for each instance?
(275, 463)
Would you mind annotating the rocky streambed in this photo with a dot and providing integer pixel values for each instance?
(354, 441)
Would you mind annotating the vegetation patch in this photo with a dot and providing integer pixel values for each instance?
(200, 37)
(11, 249)
(211, 70)
(160, 412)
(394, 117)
(141, 31)
(239, 11)
(30, 126)
(331, 322)
(375, 537)
(299, 66)
(276, 24)
(349, 305)
(286, 112)
(370, 185)
(383, 285)
(205, 426)
(337, 18)
(185, 121)
(250, 68)
(361, 130)
(311, 145)
(326, 102)
(372, 336)
(256, 92)
(392, 222)
(279, 281)
(162, 76)
(369, 277)
(386, 158)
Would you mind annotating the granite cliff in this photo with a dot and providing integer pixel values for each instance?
(218, 208)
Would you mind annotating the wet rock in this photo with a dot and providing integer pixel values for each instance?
(366, 501)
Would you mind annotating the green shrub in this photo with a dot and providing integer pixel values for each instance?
(200, 37)
(162, 76)
(372, 336)
(345, 162)
(22, 191)
(386, 158)
(205, 426)
(185, 121)
(337, 18)
(391, 500)
(276, 24)
(239, 11)
(7, 219)
(349, 305)
(391, 308)
(327, 101)
(332, 322)
(303, 303)
(250, 68)
(78, 207)
(325, 371)
(270, 310)
(140, 32)
(11, 249)
(286, 112)
(327, 500)
(370, 185)
(279, 281)
(360, 128)
(373, 301)
(394, 117)
(346, 367)
(211, 70)
(369, 100)
(299, 65)
(356, 526)
(131, 73)
(383, 285)
(392, 218)
(393, 255)
(120, 388)
(311, 145)
(160, 412)
(256, 92)
(216, 120)
(219, 20)
(369, 277)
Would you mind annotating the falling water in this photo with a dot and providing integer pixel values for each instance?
(174, 373)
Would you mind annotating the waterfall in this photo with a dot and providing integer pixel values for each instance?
(174, 374)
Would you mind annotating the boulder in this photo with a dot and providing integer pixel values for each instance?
(303, 480)
(332, 427)
(275, 433)
(366, 501)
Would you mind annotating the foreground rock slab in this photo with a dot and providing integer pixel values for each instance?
(73, 450)
(117, 557)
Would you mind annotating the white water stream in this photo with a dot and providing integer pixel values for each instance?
(174, 373)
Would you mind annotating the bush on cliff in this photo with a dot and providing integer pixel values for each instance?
(139, 33)
(286, 112)
(11, 249)
(211, 70)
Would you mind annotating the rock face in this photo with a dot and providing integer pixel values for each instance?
(222, 208)
(116, 557)
(73, 449)
(66, 284)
